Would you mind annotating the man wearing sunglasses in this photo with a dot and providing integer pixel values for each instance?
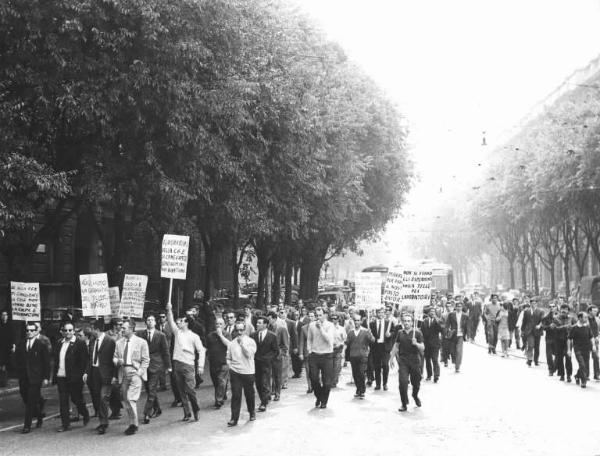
(71, 357)
(33, 366)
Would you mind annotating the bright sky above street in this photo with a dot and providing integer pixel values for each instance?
(458, 68)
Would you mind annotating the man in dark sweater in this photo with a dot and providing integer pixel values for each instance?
(358, 341)
(582, 338)
(216, 347)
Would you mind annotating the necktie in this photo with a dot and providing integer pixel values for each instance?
(149, 336)
(96, 352)
(260, 336)
(29, 344)
(125, 352)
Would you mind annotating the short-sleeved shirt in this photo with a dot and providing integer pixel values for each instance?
(406, 349)
(581, 336)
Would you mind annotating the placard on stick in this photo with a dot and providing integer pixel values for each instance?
(134, 294)
(368, 290)
(416, 288)
(95, 300)
(25, 301)
(392, 292)
(174, 256)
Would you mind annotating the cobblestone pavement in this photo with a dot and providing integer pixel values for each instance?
(495, 406)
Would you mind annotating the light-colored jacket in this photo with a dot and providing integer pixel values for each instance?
(140, 356)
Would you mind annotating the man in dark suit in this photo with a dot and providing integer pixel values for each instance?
(432, 330)
(71, 360)
(216, 347)
(267, 349)
(33, 366)
(382, 331)
(160, 362)
(293, 345)
(456, 329)
(531, 328)
(102, 371)
(279, 328)
(358, 342)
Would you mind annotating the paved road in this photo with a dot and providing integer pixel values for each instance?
(495, 406)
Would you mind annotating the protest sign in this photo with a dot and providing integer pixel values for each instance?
(115, 301)
(174, 256)
(392, 292)
(25, 301)
(134, 294)
(367, 290)
(95, 300)
(416, 288)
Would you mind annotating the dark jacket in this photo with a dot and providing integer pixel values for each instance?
(530, 321)
(388, 327)
(432, 330)
(158, 349)
(106, 367)
(76, 360)
(358, 346)
(452, 325)
(268, 349)
(33, 365)
(216, 349)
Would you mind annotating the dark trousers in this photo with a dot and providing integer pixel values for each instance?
(321, 375)
(472, 328)
(277, 368)
(95, 398)
(115, 399)
(239, 383)
(432, 353)
(409, 369)
(563, 360)
(583, 362)
(551, 354)
(220, 378)
(533, 347)
(74, 392)
(102, 393)
(186, 382)
(263, 380)
(174, 387)
(370, 372)
(445, 350)
(596, 364)
(359, 368)
(31, 394)
(152, 393)
(381, 359)
(296, 365)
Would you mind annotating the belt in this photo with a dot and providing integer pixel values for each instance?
(128, 365)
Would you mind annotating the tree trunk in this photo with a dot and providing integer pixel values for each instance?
(534, 276)
(235, 271)
(523, 265)
(310, 268)
(288, 282)
(276, 287)
(511, 269)
(263, 259)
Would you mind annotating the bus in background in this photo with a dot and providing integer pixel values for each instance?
(442, 278)
(381, 270)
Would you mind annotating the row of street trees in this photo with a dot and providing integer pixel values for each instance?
(542, 200)
(234, 121)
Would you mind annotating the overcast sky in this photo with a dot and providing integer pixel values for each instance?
(460, 67)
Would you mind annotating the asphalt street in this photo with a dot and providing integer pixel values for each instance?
(494, 406)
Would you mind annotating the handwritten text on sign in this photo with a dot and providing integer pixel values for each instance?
(95, 299)
(174, 256)
(368, 290)
(416, 288)
(134, 294)
(25, 300)
(115, 301)
(392, 293)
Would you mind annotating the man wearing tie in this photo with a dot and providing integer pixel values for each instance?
(132, 358)
(267, 350)
(33, 366)
(71, 355)
(432, 330)
(382, 331)
(456, 332)
(101, 370)
(359, 341)
(160, 363)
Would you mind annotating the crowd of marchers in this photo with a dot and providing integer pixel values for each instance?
(569, 333)
(252, 354)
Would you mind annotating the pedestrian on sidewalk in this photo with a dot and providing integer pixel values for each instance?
(240, 359)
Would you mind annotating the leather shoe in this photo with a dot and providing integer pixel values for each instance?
(377, 388)
(176, 404)
(186, 417)
(63, 429)
(262, 408)
(252, 416)
(402, 409)
(318, 403)
(39, 422)
(157, 413)
(196, 415)
(356, 394)
(362, 395)
(231, 423)
(435, 380)
(146, 420)
(385, 388)
(25, 430)
(323, 405)
(309, 390)
(417, 401)
(276, 397)
(101, 429)
(132, 429)
(86, 420)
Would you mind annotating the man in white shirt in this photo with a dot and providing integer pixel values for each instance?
(185, 347)
(320, 348)
(132, 357)
(240, 359)
(71, 357)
